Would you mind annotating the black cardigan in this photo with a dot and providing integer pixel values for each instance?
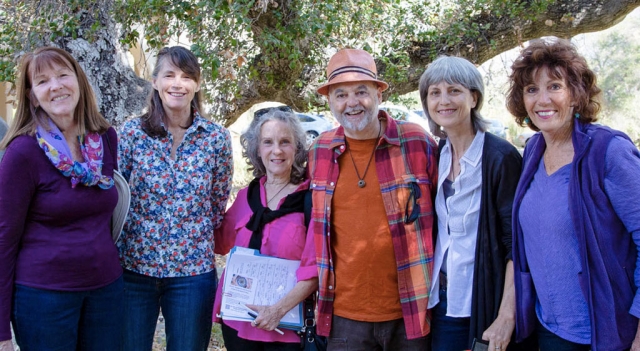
(501, 168)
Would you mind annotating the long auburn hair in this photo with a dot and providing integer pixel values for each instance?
(29, 114)
(151, 122)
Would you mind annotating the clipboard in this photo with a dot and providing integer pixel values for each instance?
(253, 278)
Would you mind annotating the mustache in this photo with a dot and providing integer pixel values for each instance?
(356, 109)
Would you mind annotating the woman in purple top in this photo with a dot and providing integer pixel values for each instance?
(178, 164)
(61, 283)
(576, 216)
(268, 216)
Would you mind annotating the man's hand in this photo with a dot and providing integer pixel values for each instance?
(499, 333)
(6, 345)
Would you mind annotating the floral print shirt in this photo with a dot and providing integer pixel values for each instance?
(175, 204)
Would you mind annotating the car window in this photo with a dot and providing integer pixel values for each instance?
(305, 118)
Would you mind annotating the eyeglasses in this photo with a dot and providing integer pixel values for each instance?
(414, 195)
(263, 111)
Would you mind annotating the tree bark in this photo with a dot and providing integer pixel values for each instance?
(563, 19)
(119, 92)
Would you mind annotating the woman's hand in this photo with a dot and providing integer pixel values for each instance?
(499, 333)
(6, 345)
(268, 317)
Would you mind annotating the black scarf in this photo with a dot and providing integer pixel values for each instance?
(294, 202)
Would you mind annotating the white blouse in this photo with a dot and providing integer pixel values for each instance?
(458, 218)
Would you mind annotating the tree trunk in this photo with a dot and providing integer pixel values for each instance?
(119, 92)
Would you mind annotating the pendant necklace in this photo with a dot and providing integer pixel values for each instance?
(361, 182)
(279, 191)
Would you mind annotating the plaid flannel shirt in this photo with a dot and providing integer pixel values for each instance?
(405, 161)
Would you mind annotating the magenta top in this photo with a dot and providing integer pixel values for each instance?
(52, 236)
(285, 237)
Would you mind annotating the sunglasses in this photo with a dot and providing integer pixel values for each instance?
(263, 111)
(414, 195)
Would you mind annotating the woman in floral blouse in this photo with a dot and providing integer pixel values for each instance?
(179, 168)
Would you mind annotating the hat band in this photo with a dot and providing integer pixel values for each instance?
(347, 69)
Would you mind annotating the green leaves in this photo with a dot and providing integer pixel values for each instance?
(253, 50)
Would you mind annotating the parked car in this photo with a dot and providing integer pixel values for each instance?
(400, 113)
(523, 138)
(313, 125)
(498, 128)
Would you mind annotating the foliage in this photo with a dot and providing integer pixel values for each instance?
(615, 61)
(616, 58)
(25, 25)
(281, 38)
(258, 50)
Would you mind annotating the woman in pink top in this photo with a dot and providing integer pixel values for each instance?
(268, 215)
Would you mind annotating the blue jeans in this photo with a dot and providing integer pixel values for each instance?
(549, 341)
(448, 333)
(187, 308)
(48, 320)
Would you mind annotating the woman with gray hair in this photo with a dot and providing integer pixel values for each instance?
(268, 216)
(472, 293)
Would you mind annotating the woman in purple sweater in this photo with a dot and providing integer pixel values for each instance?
(576, 216)
(61, 282)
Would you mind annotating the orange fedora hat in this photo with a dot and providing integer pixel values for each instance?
(351, 65)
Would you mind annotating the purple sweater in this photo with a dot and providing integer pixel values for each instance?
(602, 192)
(52, 236)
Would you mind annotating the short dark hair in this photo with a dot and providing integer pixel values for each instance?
(151, 122)
(563, 61)
(250, 141)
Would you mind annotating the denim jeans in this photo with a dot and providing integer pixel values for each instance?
(549, 341)
(448, 333)
(233, 342)
(187, 308)
(347, 334)
(47, 320)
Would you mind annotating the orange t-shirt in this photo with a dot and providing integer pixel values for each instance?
(363, 257)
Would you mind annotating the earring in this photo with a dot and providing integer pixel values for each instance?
(527, 120)
(577, 115)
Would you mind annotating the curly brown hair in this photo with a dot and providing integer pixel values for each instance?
(250, 141)
(563, 61)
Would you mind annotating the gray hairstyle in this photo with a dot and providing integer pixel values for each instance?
(250, 141)
(453, 70)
